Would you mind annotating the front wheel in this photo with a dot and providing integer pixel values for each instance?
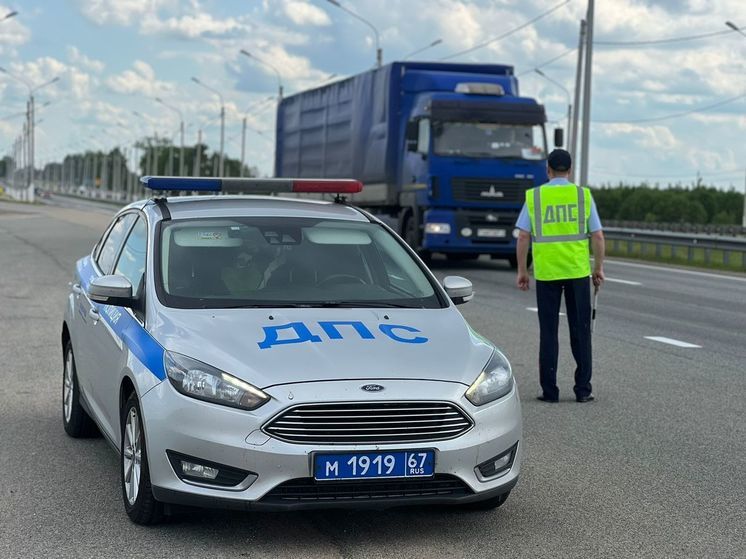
(139, 502)
(76, 421)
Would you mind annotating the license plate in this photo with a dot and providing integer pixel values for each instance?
(492, 233)
(358, 465)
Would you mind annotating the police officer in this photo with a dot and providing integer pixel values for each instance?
(557, 219)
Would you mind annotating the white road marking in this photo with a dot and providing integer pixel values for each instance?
(625, 282)
(534, 309)
(676, 270)
(671, 341)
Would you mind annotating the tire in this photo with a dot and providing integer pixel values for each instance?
(75, 419)
(460, 257)
(137, 492)
(414, 239)
(488, 504)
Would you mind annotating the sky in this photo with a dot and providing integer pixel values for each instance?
(114, 57)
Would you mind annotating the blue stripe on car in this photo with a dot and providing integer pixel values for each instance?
(130, 331)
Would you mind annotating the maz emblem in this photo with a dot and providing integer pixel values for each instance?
(371, 387)
(492, 193)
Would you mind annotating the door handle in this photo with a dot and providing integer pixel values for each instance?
(77, 289)
(93, 314)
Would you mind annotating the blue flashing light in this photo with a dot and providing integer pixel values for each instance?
(203, 184)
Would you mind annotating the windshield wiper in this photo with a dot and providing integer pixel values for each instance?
(364, 304)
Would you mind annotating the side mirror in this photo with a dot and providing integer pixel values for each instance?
(459, 289)
(559, 137)
(112, 290)
(412, 135)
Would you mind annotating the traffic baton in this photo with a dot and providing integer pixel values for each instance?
(595, 305)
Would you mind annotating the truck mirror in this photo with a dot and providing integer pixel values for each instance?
(559, 137)
(412, 135)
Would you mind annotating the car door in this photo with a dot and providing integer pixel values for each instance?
(110, 353)
(87, 355)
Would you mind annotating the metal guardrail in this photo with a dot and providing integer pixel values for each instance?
(706, 250)
(695, 228)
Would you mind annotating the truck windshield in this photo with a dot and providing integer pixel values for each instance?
(487, 139)
(286, 262)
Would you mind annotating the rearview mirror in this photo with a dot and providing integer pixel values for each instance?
(459, 289)
(559, 137)
(411, 136)
(112, 290)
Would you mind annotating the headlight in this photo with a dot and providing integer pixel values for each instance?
(495, 381)
(198, 380)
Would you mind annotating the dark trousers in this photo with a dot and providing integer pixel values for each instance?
(578, 305)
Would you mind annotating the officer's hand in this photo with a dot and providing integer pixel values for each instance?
(522, 281)
(598, 277)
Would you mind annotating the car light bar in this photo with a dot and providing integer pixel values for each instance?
(252, 185)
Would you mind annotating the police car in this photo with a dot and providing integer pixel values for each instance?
(278, 353)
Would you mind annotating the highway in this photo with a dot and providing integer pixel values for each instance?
(656, 467)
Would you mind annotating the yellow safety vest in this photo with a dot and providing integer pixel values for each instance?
(559, 231)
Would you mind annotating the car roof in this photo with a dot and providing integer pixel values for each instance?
(186, 207)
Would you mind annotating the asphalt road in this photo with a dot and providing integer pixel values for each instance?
(656, 467)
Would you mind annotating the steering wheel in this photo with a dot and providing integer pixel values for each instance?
(335, 279)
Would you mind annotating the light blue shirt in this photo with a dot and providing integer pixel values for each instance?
(524, 221)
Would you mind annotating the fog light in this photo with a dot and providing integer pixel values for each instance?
(438, 228)
(466, 232)
(499, 464)
(198, 470)
(204, 472)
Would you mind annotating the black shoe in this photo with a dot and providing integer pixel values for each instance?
(584, 399)
(549, 400)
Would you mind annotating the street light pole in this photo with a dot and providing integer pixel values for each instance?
(221, 168)
(181, 131)
(576, 104)
(563, 88)
(9, 15)
(379, 52)
(737, 29)
(268, 65)
(587, 95)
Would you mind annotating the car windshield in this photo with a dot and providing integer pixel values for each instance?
(486, 139)
(287, 262)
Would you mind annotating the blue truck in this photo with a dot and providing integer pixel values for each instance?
(446, 151)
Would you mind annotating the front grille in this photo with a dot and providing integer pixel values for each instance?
(308, 490)
(490, 190)
(372, 423)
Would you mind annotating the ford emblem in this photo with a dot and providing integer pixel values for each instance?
(371, 387)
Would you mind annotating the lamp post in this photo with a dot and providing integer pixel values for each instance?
(181, 131)
(737, 29)
(243, 129)
(30, 119)
(221, 168)
(9, 15)
(435, 43)
(379, 52)
(247, 54)
(567, 93)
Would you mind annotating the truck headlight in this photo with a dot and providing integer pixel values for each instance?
(198, 380)
(438, 228)
(495, 381)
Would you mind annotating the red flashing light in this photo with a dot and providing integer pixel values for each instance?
(329, 186)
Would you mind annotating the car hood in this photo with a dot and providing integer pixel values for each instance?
(271, 347)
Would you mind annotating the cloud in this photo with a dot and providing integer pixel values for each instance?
(194, 26)
(12, 32)
(140, 79)
(76, 57)
(73, 81)
(120, 12)
(303, 13)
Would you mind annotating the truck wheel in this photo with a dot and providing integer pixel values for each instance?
(76, 421)
(456, 257)
(414, 239)
(137, 493)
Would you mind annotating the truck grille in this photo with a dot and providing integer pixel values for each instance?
(307, 490)
(372, 423)
(490, 190)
